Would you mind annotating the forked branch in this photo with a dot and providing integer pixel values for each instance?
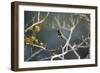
(38, 22)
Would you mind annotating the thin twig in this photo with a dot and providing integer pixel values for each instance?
(59, 24)
(73, 48)
(38, 17)
(80, 45)
(74, 24)
(34, 54)
(41, 21)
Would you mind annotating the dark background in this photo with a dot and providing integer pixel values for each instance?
(49, 36)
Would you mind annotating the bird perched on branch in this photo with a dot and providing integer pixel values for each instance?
(60, 34)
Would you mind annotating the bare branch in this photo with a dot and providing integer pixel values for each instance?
(38, 17)
(85, 17)
(59, 24)
(57, 21)
(41, 47)
(73, 48)
(74, 21)
(85, 40)
(34, 54)
(65, 46)
(63, 52)
(41, 21)
(74, 24)
(33, 18)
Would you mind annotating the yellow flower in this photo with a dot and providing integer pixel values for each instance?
(41, 44)
(36, 41)
(36, 28)
(27, 40)
(33, 38)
